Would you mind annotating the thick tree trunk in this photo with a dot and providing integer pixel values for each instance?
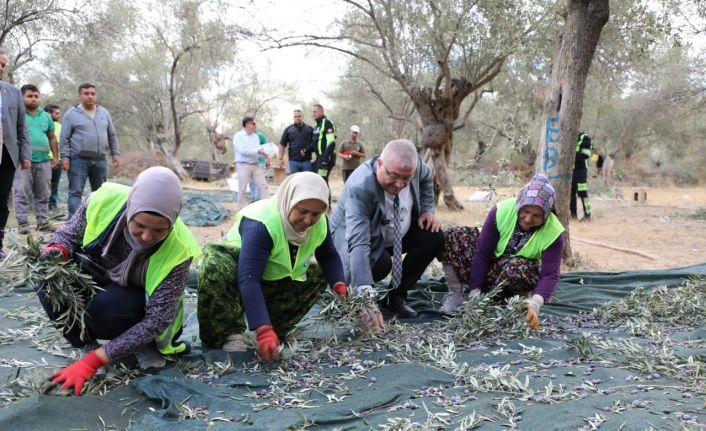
(563, 105)
(437, 140)
(217, 143)
(438, 110)
(172, 162)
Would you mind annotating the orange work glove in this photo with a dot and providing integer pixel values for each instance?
(341, 289)
(534, 304)
(76, 374)
(267, 342)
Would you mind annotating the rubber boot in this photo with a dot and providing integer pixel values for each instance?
(455, 297)
(148, 357)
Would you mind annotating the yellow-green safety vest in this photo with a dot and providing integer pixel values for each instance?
(586, 151)
(541, 239)
(57, 134)
(330, 137)
(279, 264)
(177, 247)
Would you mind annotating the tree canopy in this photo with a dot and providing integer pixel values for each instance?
(466, 80)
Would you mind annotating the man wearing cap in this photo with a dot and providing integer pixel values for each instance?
(352, 153)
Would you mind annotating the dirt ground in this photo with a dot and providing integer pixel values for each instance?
(654, 234)
(660, 228)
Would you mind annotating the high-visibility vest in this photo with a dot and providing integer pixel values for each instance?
(541, 239)
(585, 151)
(279, 264)
(180, 245)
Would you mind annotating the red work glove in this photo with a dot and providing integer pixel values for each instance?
(53, 249)
(341, 289)
(267, 342)
(76, 374)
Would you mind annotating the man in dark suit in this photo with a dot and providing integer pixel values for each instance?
(16, 150)
(388, 199)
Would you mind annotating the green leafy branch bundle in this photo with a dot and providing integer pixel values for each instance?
(66, 288)
(483, 316)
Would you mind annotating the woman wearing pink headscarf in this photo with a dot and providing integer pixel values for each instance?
(519, 248)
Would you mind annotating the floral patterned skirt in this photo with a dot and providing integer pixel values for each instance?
(517, 274)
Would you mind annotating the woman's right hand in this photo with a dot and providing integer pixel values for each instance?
(267, 342)
(75, 375)
(370, 321)
(54, 250)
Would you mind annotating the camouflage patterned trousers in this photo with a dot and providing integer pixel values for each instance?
(220, 308)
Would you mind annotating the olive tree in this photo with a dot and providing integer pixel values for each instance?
(563, 104)
(26, 25)
(438, 51)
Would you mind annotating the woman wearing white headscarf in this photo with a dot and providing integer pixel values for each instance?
(139, 252)
(263, 268)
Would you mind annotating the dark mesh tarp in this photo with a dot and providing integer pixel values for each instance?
(350, 387)
(203, 211)
(202, 207)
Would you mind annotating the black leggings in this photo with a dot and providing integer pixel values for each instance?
(110, 313)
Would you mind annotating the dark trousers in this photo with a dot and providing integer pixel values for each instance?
(579, 186)
(80, 170)
(110, 313)
(421, 247)
(316, 166)
(55, 178)
(346, 173)
(7, 175)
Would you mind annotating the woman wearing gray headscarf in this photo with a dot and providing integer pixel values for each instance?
(139, 252)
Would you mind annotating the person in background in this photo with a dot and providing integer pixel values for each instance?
(246, 145)
(297, 136)
(262, 164)
(386, 209)
(264, 268)
(34, 184)
(16, 151)
(519, 248)
(55, 112)
(87, 136)
(579, 181)
(139, 252)
(323, 143)
(352, 153)
(598, 159)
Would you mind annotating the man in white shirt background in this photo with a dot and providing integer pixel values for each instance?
(246, 144)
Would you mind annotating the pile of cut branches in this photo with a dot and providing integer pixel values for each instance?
(482, 316)
(66, 288)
